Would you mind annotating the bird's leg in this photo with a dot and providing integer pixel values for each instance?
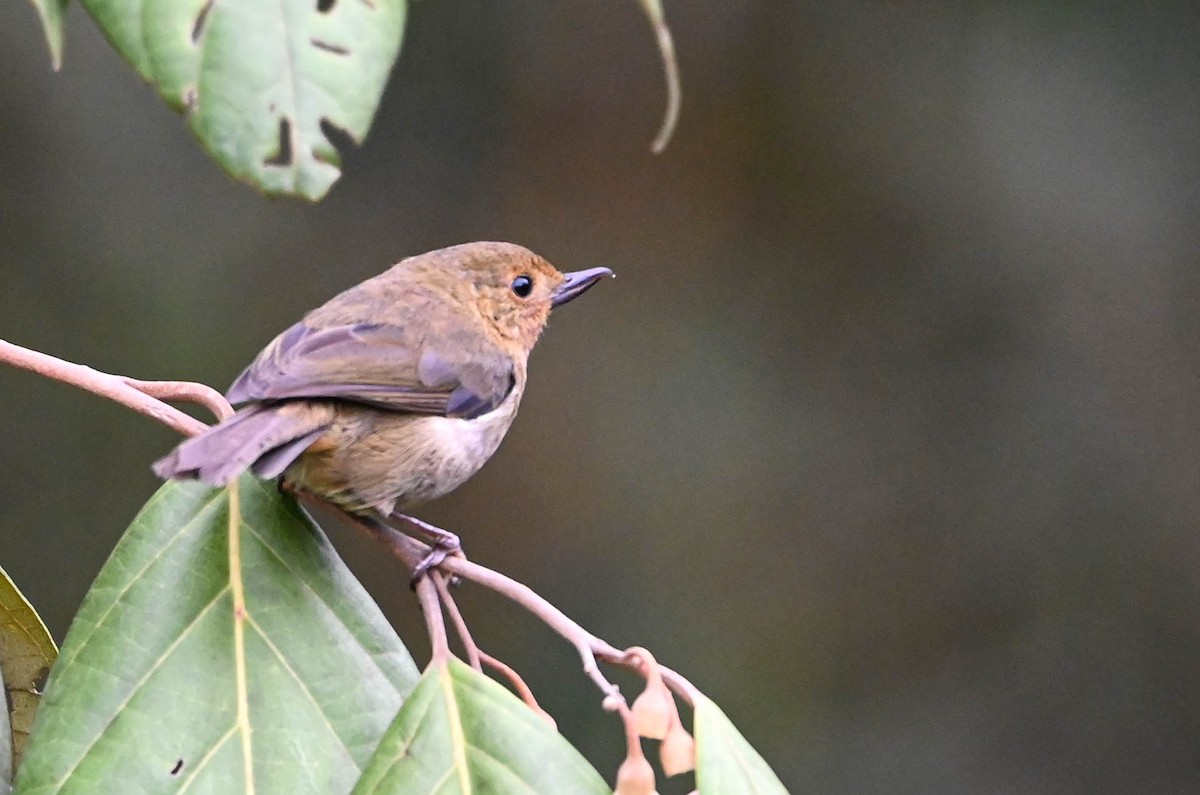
(444, 542)
(382, 528)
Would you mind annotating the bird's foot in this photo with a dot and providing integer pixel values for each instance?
(434, 559)
(444, 542)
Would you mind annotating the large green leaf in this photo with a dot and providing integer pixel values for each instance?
(725, 762)
(50, 12)
(460, 732)
(26, 652)
(259, 79)
(224, 648)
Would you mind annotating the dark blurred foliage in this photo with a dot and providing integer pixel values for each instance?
(886, 434)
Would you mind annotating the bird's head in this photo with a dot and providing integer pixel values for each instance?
(511, 288)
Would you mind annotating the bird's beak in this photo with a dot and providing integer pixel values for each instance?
(576, 283)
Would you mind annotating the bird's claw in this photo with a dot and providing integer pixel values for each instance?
(433, 560)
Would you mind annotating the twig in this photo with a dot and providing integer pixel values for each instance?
(123, 391)
(185, 392)
(589, 647)
(673, 679)
(585, 643)
(456, 617)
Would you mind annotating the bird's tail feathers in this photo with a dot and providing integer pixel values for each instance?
(263, 439)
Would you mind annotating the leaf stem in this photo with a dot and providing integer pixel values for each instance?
(435, 622)
(523, 690)
(456, 617)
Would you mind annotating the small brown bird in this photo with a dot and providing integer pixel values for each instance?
(395, 391)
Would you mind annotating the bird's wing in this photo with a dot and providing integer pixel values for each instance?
(381, 365)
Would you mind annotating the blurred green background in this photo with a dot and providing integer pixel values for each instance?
(886, 434)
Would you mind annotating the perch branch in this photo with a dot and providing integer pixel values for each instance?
(144, 397)
(589, 647)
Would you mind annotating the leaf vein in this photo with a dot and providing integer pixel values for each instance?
(321, 600)
(204, 760)
(137, 686)
(458, 739)
(402, 751)
(305, 689)
(183, 529)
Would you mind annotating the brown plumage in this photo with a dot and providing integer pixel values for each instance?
(395, 391)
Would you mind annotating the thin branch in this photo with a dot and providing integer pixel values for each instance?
(456, 617)
(589, 647)
(585, 643)
(127, 392)
(673, 679)
(185, 392)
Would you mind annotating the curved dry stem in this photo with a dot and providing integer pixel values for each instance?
(185, 392)
(589, 647)
(666, 50)
(585, 643)
(674, 93)
(127, 392)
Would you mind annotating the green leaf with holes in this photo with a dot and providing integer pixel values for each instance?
(264, 82)
(223, 648)
(26, 653)
(725, 763)
(461, 732)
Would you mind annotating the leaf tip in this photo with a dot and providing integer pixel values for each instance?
(50, 12)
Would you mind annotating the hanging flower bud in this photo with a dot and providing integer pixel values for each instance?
(653, 710)
(635, 777)
(678, 751)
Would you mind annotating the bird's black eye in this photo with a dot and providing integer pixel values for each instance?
(522, 286)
